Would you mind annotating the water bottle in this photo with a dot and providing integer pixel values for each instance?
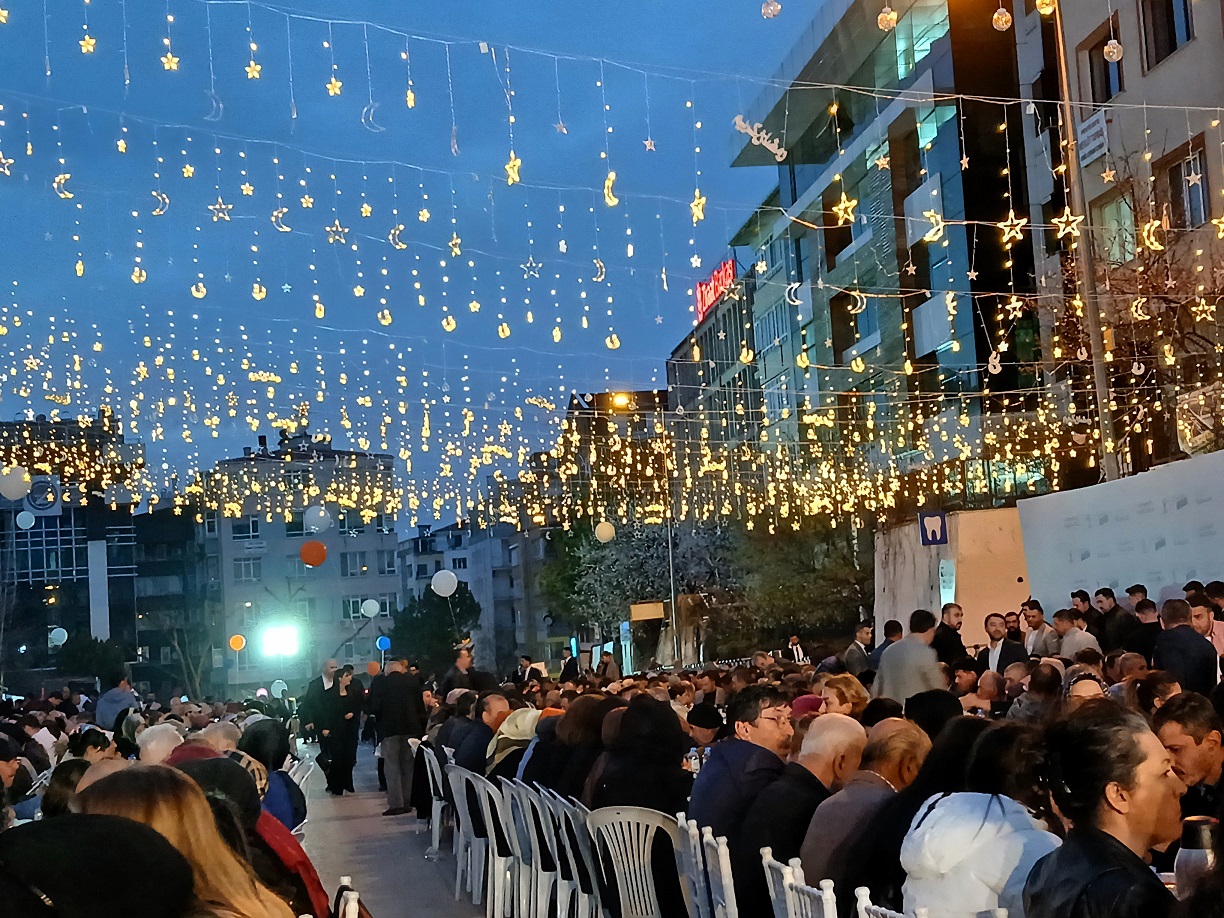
(1197, 854)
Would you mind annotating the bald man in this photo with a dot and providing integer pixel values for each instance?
(894, 752)
(779, 817)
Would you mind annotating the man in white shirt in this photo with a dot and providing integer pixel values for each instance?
(1069, 623)
(1040, 640)
(794, 651)
(1000, 653)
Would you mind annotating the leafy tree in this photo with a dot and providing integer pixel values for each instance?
(189, 635)
(560, 577)
(85, 655)
(429, 626)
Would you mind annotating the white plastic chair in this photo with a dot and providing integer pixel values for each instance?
(718, 870)
(501, 850)
(777, 876)
(440, 810)
(469, 847)
(574, 836)
(809, 902)
(865, 909)
(520, 835)
(548, 854)
(694, 870)
(627, 834)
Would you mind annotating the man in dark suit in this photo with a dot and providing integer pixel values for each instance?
(1184, 653)
(400, 709)
(459, 675)
(947, 644)
(856, 654)
(569, 666)
(1000, 653)
(794, 651)
(310, 710)
(525, 670)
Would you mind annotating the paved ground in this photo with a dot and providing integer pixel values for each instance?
(385, 856)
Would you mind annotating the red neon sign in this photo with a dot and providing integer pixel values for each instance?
(708, 292)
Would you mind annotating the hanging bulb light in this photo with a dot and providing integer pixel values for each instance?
(770, 9)
(1113, 51)
(1045, 7)
(1002, 19)
(887, 20)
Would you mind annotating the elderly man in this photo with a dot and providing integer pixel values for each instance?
(399, 706)
(781, 814)
(894, 752)
(310, 709)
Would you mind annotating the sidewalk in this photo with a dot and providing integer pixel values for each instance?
(385, 855)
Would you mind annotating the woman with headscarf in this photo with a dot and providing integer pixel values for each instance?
(267, 742)
(510, 742)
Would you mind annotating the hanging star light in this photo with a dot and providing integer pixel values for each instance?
(1068, 224)
(423, 215)
(844, 209)
(88, 44)
(7, 164)
(307, 201)
(697, 207)
(169, 61)
(220, 210)
(456, 245)
(561, 128)
(334, 86)
(649, 144)
(247, 189)
(695, 261)
(1203, 311)
(4, 15)
(366, 209)
(253, 70)
(188, 170)
(883, 162)
(1012, 227)
(1109, 175)
(336, 232)
(512, 169)
(531, 267)
(1015, 307)
(359, 291)
(121, 145)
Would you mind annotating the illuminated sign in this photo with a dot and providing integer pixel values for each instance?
(708, 292)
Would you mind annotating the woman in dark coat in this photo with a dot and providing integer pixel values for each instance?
(341, 707)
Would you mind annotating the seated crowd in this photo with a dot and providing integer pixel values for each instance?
(1046, 771)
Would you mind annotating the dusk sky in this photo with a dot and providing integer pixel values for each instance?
(284, 134)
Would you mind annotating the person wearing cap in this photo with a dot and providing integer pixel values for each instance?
(1136, 593)
(705, 725)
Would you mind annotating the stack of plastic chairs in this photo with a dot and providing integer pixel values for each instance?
(440, 811)
(469, 845)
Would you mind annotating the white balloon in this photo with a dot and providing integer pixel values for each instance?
(317, 519)
(605, 532)
(58, 636)
(25, 520)
(277, 687)
(15, 483)
(444, 583)
(370, 608)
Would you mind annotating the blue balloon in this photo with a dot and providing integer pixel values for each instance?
(383, 642)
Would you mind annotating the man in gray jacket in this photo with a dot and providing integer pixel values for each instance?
(910, 666)
(1041, 640)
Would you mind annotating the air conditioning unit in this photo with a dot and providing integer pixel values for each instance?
(46, 497)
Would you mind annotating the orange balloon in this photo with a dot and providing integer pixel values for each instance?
(237, 642)
(313, 553)
(373, 668)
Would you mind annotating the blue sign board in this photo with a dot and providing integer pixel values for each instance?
(933, 527)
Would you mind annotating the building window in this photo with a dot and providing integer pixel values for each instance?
(386, 561)
(210, 522)
(772, 327)
(351, 524)
(295, 567)
(352, 564)
(384, 523)
(1106, 76)
(297, 480)
(351, 606)
(1187, 180)
(247, 613)
(295, 526)
(422, 571)
(458, 564)
(1116, 220)
(1166, 27)
(246, 528)
(248, 570)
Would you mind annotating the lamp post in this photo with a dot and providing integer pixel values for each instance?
(1085, 260)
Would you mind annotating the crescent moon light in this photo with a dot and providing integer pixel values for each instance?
(367, 118)
(277, 216)
(163, 202)
(58, 183)
(860, 303)
(609, 198)
(394, 236)
(218, 108)
(792, 290)
(600, 272)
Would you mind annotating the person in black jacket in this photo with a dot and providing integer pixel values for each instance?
(1114, 781)
(1116, 623)
(947, 644)
(401, 713)
(491, 709)
(1183, 652)
(569, 667)
(340, 722)
(999, 653)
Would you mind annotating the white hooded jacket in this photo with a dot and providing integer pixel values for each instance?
(968, 854)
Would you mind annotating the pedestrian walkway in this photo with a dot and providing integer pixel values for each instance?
(385, 855)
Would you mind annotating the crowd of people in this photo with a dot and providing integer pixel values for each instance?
(1047, 770)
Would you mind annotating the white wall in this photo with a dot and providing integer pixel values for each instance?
(1161, 528)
